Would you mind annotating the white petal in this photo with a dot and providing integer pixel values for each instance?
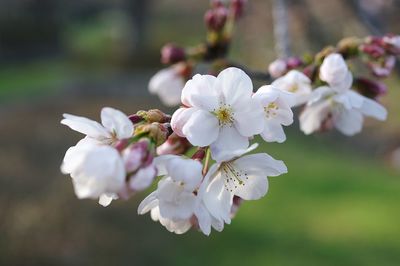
(217, 199)
(229, 140)
(116, 122)
(105, 199)
(148, 203)
(373, 109)
(161, 163)
(204, 219)
(143, 178)
(180, 118)
(85, 126)
(200, 92)
(260, 164)
(185, 170)
(177, 227)
(254, 188)
(236, 87)
(313, 115)
(229, 155)
(343, 85)
(250, 121)
(319, 94)
(349, 122)
(167, 84)
(273, 132)
(201, 129)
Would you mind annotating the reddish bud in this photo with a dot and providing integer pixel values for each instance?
(370, 88)
(174, 145)
(171, 54)
(383, 68)
(372, 50)
(238, 7)
(215, 19)
(135, 118)
(293, 62)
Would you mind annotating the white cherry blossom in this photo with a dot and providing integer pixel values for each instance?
(345, 111)
(295, 83)
(114, 126)
(177, 202)
(167, 84)
(277, 112)
(219, 111)
(238, 174)
(97, 171)
(277, 68)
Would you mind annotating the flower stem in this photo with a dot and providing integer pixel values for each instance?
(207, 161)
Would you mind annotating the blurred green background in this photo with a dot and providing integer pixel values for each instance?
(338, 205)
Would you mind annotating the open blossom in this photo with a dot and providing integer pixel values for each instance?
(177, 202)
(295, 83)
(167, 84)
(97, 171)
(114, 126)
(219, 111)
(237, 174)
(337, 104)
(277, 112)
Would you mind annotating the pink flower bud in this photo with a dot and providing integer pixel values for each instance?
(277, 68)
(293, 62)
(135, 118)
(370, 88)
(372, 50)
(238, 7)
(392, 43)
(215, 19)
(383, 68)
(136, 156)
(174, 145)
(171, 54)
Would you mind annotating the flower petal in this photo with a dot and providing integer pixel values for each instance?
(201, 129)
(116, 122)
(250, 121)
(273, 132)
(349, 122)
(148, 203)
(373, 109)
(236, 87)
(180, 118)
(86, 126)
(200, 92)
(313, 115)
(143, 178)
(229, 140)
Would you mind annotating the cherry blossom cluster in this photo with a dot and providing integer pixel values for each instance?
(201, 159)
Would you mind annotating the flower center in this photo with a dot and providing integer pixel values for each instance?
(271, 110)
(233, 177)
(224, 115)
(293, 88)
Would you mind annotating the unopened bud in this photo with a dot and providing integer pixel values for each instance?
(293, 62)
(153, 115)
(310, 71)
(171, 54)
(372, 50)
(349, 46)
(392, 43)
(137, 155)
(199, 154)
(277, 68)
(156, 131)
(383, 68)
(135, 118)
(238, 7)
(174, 145)
(121, 144)
(319, 58)
(215, 18)
(370, 88)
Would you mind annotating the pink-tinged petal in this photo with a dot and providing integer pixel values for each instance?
(349, 122)
(180, 118)
(273, 132)
(218, 200)
(200, 92)
(86, 126)
(236, 87)
(116, 122)
(229, 140)
(313, 115)
(201, 129)
(249, 121)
